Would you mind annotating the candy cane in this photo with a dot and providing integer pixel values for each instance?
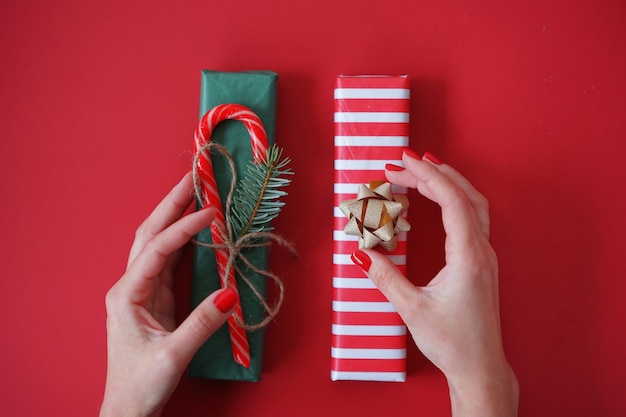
(208, 186)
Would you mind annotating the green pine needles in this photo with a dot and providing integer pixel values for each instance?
(256, 201)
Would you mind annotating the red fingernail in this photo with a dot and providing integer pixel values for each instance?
(432, 158)
(226, 300)
(410, 152)
(392, 167)
(361, 259)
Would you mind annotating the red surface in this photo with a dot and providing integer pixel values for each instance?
(98, 106)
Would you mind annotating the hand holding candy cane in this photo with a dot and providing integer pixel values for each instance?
(147, 352)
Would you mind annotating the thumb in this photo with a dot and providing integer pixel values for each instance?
(387, 278)
(203, 321)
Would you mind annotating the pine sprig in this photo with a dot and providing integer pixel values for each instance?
(256, 201)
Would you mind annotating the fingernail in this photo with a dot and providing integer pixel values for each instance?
(361, 259)
(392, 167)
(410, 152)
(432, 158)
(226, 300)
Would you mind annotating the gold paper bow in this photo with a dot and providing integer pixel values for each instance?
(375, 216)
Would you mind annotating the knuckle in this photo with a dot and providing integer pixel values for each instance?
(482, 202)
(153, 244)
(383, 278)
(483, 263)
(202, 323)
(462, 199)
(168, 360)
(492, 259)
(143, 232)
(411, 310)
(111, 299)
(140, 231)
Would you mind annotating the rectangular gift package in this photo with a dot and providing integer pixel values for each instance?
(257, 91)
(371, 130)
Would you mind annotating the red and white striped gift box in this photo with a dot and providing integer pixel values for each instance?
(371, 130)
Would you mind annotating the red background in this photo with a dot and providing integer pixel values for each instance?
(98, 103)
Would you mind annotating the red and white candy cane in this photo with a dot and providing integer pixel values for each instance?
(208, 186)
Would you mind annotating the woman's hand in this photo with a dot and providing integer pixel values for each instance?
(455, 319)
(147, 354)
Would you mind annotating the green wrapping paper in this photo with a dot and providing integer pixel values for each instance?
(257, 91)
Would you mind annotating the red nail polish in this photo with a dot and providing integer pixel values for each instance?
(226, 300)
(432, 158)
(410, 152)
(392, 167)
(361, 259)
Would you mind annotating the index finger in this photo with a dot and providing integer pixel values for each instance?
(170, 209)
(479, 202)
(459, 219)
(150, 261)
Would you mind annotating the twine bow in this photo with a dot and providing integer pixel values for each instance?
(236, 245)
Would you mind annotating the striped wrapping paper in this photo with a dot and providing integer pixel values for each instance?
(371, 130)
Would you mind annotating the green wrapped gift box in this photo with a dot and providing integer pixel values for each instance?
(257, 91)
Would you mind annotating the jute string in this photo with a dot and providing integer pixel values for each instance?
(247, 241)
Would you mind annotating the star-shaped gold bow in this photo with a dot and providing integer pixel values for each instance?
(375, 216)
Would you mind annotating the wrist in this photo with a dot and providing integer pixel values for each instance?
(124, 409)
(491, 392)
(112, 412)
